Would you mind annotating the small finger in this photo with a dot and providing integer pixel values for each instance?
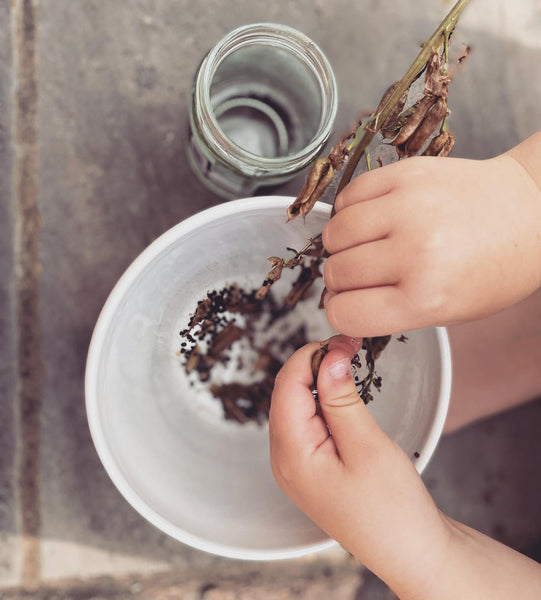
(369, 185)
(371, 312)
(357, 224)
(351, 425)
(365, 266)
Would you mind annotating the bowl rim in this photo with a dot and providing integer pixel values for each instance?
(114, 300)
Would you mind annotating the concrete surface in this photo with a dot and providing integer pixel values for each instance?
(93, 126)
(10, 543)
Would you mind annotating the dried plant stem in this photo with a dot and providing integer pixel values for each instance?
(302, 252)
(369, 129)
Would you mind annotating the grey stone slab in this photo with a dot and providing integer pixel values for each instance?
(9, 541)
(311, 582)
(114, 82)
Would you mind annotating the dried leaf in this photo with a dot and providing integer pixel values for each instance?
(424, 105)
(427, 127)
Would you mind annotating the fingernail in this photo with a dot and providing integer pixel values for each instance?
(340, 369)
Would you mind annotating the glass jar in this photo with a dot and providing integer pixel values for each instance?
(263, 105)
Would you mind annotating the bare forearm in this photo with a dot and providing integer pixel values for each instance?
(478, 567)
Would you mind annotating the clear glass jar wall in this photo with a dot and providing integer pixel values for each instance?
(263, 105)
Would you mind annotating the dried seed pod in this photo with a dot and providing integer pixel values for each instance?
(320, 176)
(448, 146)
(397, 109)
(273, 275)
(388, 93)
(427, 127)
(317, 358)
(441, 145)
(339, 154)
(392, 128)
(436, 78)
(424, 105)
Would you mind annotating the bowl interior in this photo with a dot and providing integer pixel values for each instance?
(164, 442)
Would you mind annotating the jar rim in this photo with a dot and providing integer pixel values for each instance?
(304, 48)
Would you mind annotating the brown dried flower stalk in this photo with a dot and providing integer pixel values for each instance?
(212, 331)
(411, 130)
(420, 125)
(439, 38)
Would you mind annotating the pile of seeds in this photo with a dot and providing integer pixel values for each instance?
(231, 325)
(251, 335)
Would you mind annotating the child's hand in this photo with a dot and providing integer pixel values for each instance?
(357, 484)
(432, 241)
(359, 487)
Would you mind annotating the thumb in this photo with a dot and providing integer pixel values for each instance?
(351, 426)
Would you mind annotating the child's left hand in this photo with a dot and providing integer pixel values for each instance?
(356, 484)
(359, 486)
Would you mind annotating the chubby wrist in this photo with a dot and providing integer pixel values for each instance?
(477, 566)
(528, 155)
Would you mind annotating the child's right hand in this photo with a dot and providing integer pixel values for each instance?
(343, 471)
(434, 241)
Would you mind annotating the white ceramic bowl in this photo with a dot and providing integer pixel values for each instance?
(199, 478)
